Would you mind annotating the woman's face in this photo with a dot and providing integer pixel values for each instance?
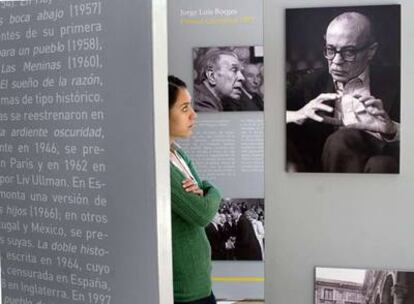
(182, 116)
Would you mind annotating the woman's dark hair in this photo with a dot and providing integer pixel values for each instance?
(174, 84)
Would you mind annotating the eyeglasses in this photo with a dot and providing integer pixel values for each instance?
(347, 54)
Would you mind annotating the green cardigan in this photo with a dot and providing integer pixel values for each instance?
(191, 249)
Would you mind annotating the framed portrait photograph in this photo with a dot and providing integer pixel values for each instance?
(343, 89)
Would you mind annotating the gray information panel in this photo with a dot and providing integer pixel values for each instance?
(227, 147)
(76, 183)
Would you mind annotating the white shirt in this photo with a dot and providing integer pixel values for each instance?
(347, 107)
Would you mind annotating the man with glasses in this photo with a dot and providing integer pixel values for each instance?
(348, 115)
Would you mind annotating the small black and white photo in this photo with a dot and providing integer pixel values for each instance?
(343, 89)
(228, 78)
(237, 230)
(363, 286)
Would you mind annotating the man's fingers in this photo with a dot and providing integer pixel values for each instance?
(361, 110)
(363, 98)
(323, 107)
(373, 102)
(327, 96)
(381, 115)
(375, 111)
(316, 117)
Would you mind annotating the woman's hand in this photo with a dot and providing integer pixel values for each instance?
(190, 186)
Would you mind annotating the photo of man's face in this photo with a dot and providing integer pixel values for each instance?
(220, 82)
(351, 45)
(228, 76)
(254, 78)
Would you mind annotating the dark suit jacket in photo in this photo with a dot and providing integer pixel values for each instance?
(247, 245)
(229, 230)
(245, 103)
(217, 242)
(205, 101)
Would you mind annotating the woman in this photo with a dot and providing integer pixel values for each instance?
(193, 203)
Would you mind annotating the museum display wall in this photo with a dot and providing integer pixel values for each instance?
(330, 219)
(227, 146)
(84, 180)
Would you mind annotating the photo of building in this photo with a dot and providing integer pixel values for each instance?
(388, 287)
(358, 286)
(338, 292)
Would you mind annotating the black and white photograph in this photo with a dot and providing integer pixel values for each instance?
(363, 286)
(228, 78)
(237, 230)
(343, 89)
